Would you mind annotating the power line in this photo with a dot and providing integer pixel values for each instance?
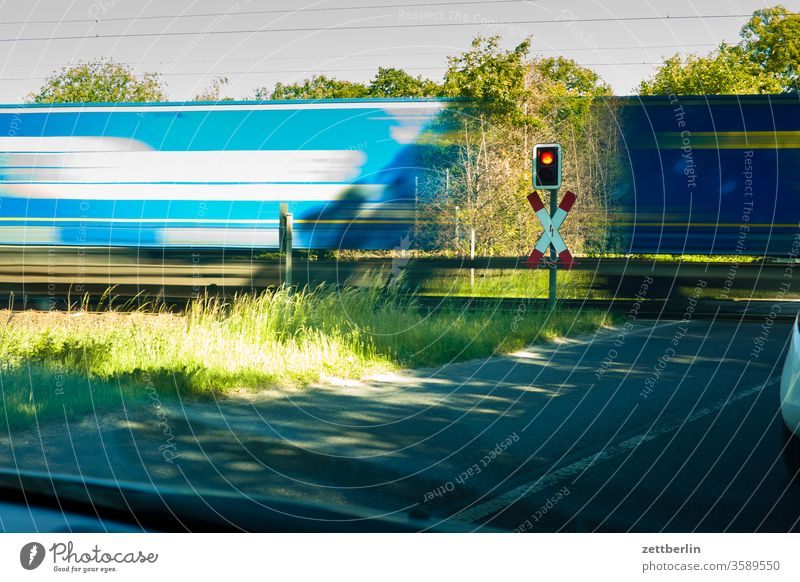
(372, 55)
(487, 22)
(324, 71)
(275, 11)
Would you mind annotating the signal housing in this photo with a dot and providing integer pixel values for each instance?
(547, 166)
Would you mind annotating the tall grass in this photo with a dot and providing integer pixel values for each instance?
(49, 361)
(521, 283)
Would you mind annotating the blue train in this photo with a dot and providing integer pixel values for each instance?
(211, 175)
(712, 175)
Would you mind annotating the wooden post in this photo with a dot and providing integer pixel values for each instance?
(289, 252)
(416, 210)
(472, 257)
(284, 210)
(285, 234)
(457, 245)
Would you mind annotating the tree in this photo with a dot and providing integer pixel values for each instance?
(571, 106)
(562, 90)
(393, 82)
(484, 163)
(492, 78)
(317, 87)
(513, 101)
(571, 78)
(388, 82)
(771, 38)
(100, 81)
(728, 70)
(213, 92)
(764, 61)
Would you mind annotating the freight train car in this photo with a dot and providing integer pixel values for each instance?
(710, 175)
(188, 175)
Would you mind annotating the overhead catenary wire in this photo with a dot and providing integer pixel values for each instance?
(320, 71)
(303, 10)
(265, 30)
(369, 55)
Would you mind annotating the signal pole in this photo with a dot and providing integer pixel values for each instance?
(551, 296)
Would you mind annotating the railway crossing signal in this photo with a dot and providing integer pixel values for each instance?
(547, 166)
(551, 235)
(546, 175)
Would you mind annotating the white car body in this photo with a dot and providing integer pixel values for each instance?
(790, 383)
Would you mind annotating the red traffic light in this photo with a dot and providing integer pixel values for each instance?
(546, 166)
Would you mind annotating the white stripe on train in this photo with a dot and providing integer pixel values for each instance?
(39, 160)
(183, 108)
(197, 192)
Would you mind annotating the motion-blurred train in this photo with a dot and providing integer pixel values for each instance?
(714, 175)
(209, 176)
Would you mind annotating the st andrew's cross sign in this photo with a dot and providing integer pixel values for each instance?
(551, 235)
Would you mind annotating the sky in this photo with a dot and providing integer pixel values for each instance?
(256, 43)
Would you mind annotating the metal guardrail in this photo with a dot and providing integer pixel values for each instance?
(180, 275)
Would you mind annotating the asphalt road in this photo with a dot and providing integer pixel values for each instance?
(667, 427)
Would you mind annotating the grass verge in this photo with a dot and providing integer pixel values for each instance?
(53, 364)
(508, 284)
